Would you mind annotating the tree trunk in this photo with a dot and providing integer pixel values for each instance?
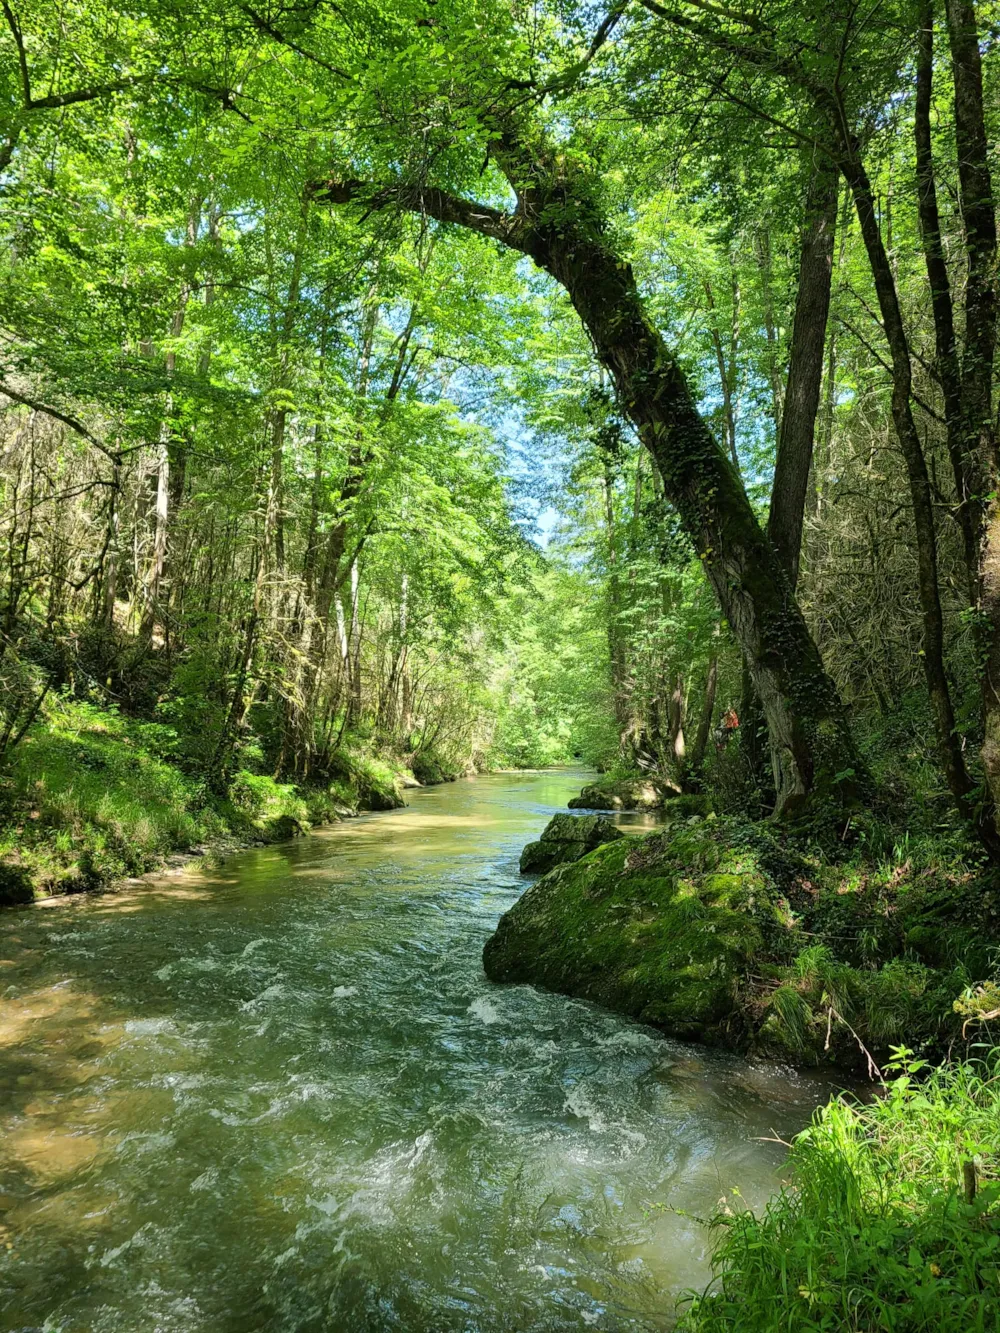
(949, 742)
(968, 487)
(805, 369)
(979, 441)
(162, 511)
(727, 365)
(707, 712)
(806, 724)
(616, 645)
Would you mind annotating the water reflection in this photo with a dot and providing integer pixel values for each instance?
(282, 1096)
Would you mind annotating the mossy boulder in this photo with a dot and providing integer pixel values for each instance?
(639, 793)
(664, 928)
(749, 935)
(281, 828)
(380, 796)
(567, 838)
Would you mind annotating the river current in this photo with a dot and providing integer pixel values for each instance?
(282, 1096)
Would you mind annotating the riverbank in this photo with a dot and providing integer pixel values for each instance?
(91, 797)
(889, 1220)
(756, 937)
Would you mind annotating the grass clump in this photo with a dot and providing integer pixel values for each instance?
(890, 1222)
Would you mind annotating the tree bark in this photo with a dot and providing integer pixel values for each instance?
(979, 441)
(616, 644)
(707, 712)
(921, 500)
(969, 486)
(805, 369)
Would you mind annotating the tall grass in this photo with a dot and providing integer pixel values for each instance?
(875, 1230)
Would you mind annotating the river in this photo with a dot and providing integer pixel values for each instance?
(282, 1096)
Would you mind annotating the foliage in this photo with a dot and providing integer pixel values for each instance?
(876, 1229)
(92, 795)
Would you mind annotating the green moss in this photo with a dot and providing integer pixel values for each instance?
(733, 932)
(431, 768)
(631, 792)
(663, 928)
(365, 781)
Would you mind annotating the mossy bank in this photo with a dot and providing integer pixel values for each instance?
(91, 796)
(736, 934)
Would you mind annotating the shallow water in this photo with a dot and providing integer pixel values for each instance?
(282, 1096)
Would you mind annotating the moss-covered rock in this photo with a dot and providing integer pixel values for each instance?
(567, 838)
(281, 828)
(609, 793)
(364, 781)
(665, 928)
(741, 933)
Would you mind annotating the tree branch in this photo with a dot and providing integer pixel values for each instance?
(78, 426)
(764, 57)
(264, 26)
(22, 59)
(508, 228)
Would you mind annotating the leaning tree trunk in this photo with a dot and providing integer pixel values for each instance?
(797, 425)
(808, 731)
(557, 227)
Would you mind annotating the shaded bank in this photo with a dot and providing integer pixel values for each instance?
(91, 797)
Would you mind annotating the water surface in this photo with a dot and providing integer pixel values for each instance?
(282, 1096)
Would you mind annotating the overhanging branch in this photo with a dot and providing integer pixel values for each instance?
(508, 228)
(114, 455)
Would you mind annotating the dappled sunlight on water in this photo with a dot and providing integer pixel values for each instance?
(281, 1095)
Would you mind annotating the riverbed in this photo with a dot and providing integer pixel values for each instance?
(282, 1096)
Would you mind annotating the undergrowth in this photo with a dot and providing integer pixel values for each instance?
(92, 795)
(890, 1222)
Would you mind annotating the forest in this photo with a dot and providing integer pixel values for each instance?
(404, 390)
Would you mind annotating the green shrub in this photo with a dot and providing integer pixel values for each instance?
(878, 1229)
(429, 767)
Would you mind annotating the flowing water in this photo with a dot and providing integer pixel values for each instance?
(282, 1096)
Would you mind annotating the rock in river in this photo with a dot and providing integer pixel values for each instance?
(567, 838)
(665, 928)
(624, 794)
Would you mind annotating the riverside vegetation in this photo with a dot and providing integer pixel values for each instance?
(313, 323)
